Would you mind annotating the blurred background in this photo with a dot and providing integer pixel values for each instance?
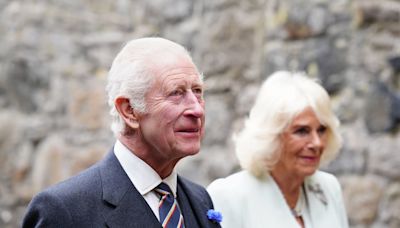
(55, 54)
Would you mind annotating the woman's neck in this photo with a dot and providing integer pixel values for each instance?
(289, 185)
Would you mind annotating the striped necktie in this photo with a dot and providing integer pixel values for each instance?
(170, 215)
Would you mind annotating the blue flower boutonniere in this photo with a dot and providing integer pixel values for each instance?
(214, 216)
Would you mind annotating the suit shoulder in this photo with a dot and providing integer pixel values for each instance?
(192, 186)
(76, 186)
(195, 191)
(323, 174)
(57, 205)
(328, 182)
(47, 209)
(325, 178)
(234, 182)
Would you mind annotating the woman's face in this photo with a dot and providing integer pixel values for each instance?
(303, 142)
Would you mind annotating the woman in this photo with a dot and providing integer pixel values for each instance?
(290, 131)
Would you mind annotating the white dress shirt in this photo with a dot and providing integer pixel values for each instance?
(142, 176)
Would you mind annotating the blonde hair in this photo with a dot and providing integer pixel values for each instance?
(281, 97)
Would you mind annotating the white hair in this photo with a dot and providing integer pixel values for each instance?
(133, 71)
(281, 98)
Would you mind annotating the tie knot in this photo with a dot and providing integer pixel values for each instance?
(163, 189)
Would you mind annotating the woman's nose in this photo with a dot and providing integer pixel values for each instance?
(316, 140)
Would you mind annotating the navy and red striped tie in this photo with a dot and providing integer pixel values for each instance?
(170, 215)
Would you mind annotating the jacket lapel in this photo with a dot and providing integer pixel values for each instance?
(194, 205)
(275, 205)
(318, 203)
(125, 206)
(186, 209)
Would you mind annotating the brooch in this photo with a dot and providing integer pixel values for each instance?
(316, 189)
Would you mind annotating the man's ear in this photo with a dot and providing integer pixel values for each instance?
(126, 112)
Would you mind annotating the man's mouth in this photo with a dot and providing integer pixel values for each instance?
(190, 130)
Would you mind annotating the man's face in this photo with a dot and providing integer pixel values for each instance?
(173, 124)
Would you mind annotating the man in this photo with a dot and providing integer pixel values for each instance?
(156, 99)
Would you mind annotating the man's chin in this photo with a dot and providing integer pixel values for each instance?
(193, 152)
(190, 151)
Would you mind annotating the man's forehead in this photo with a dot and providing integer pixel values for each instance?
(180, 75)
(177, 69)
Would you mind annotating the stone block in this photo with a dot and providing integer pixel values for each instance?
(390, 206)
(362, 195)
(87, 105)
(384, 156)
(219, 118)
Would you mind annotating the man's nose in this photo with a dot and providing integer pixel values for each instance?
(195, 105)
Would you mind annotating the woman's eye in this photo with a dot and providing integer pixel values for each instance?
(302, 131)
(322, 129)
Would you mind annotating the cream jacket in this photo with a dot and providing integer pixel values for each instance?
(248, 202)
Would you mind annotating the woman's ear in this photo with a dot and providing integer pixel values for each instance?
(126, 112)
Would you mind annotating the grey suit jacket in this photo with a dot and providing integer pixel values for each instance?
(104, 196)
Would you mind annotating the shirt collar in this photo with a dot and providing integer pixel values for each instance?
(171, 181)
(142, 176)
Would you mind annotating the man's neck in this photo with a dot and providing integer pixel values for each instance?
(162, 165)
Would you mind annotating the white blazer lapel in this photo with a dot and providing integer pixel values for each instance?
(278, 213)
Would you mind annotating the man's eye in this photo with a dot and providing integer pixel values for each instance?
(198, 90)
(176, 93)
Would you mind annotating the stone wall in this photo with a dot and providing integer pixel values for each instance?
(54, 58)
